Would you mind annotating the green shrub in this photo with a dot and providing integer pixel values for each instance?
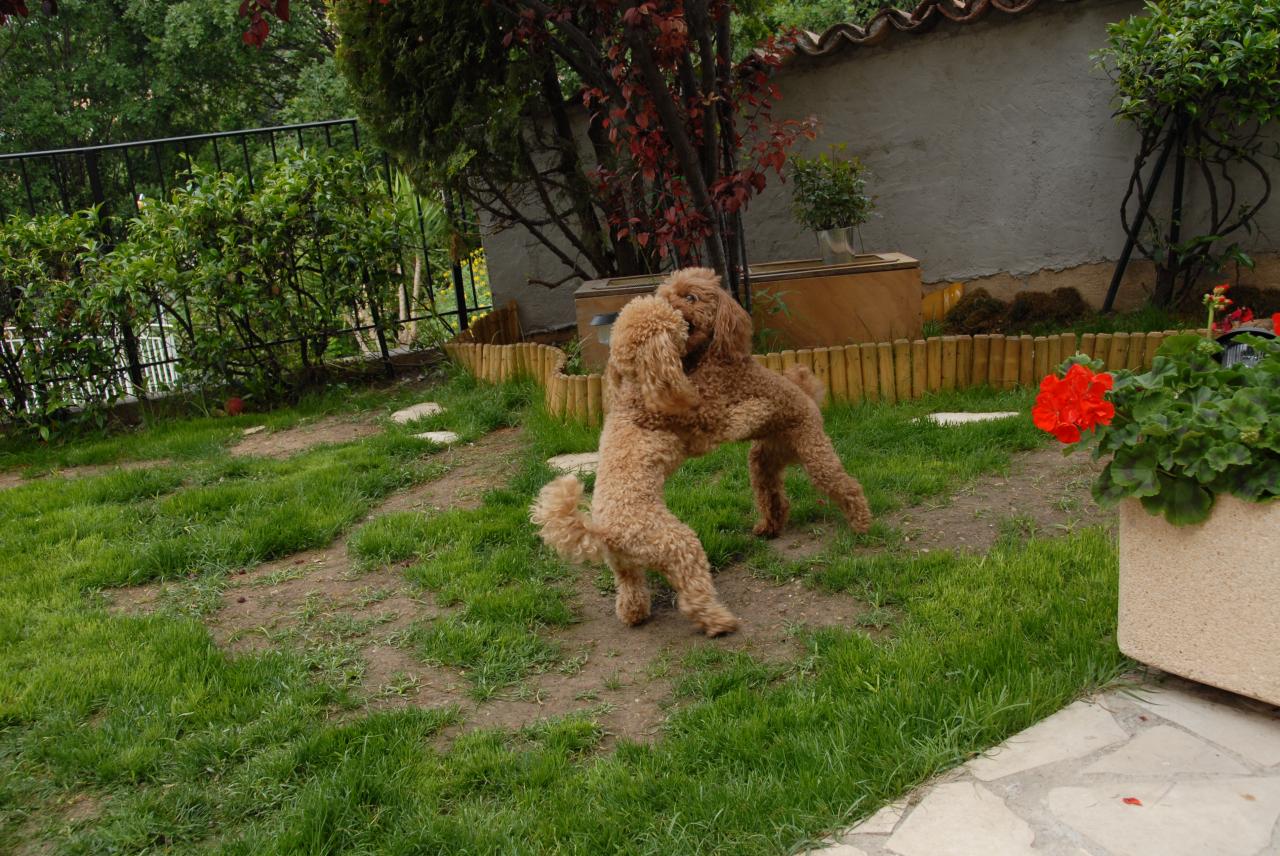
(256, 280)
(253, 281)
(1200, 78)
(60, 342)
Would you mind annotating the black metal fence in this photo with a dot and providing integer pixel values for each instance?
(117, 178)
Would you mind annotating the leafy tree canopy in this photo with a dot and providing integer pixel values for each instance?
(102, 71)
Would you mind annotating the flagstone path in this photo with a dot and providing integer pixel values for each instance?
(1166, 769)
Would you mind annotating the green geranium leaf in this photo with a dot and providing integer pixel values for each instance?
(1253, 483)
(1180, 345)
(1247, 409)
(1162, 370)
(1182, 501)
(1219, 457)
(1105, 491)
(1134, 471)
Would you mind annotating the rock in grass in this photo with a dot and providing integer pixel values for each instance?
(582, 462)
(443, 438)
(966, 418)
(416, 412)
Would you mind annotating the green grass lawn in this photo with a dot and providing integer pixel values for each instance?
(175, 746)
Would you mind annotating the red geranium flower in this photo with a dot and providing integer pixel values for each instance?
(1072, 404)
(1275, 323)
(1243, 315)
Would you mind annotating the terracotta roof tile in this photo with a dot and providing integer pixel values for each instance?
(923, 18)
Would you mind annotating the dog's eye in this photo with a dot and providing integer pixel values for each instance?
(692, 298)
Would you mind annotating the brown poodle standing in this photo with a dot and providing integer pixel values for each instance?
(681, 382)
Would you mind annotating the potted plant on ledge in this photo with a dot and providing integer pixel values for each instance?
(830, 198)
(1194, 447)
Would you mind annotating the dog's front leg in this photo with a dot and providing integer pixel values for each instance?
(632, 603)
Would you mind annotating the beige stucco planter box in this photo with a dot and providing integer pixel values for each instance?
(875, 298)
(1203, 601)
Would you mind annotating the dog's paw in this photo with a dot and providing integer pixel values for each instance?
(719, 622)
(631, 611)
(765, 529)
(632, 617)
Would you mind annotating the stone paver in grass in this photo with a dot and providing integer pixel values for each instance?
(1174, 769)
(415, 412)
(965, 418)
(443, 438)
(582, 462)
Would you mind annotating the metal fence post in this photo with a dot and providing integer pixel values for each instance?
(131, 354)
(459, 292)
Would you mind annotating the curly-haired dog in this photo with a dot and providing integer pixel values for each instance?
(682, 381)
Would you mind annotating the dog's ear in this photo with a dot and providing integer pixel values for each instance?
(647, 347)
(660, 375)
(731, 329)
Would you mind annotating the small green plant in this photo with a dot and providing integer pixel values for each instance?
(769, 304)
(830, 191)
(573, 357)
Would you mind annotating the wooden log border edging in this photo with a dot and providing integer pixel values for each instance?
(884, 371)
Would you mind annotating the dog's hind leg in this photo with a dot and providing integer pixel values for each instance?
(655, 538)
(768, 459)
(817, 455)
(685, 566)
(632, 602)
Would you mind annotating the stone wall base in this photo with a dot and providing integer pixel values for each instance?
(1092, 280)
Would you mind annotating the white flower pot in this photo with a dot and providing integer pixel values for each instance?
(1203, 601)
(837, 245)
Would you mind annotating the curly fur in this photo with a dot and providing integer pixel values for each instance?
(681, 382)
(564, 525)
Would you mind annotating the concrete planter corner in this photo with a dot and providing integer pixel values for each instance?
(1203, 602)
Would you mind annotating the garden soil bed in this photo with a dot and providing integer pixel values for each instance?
(15, 478)
(1044, 493)
(290, 441)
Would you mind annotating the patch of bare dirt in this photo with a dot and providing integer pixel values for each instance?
(68, 810)
(321, 594)
(14, 478)
(1045, 493)
(300, 438)
(623, 676)
(620, 675)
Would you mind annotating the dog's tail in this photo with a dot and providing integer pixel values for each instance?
(564, 526)
(802, 377)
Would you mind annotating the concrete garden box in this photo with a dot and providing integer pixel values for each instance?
(1203, 601)
(800, 304)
